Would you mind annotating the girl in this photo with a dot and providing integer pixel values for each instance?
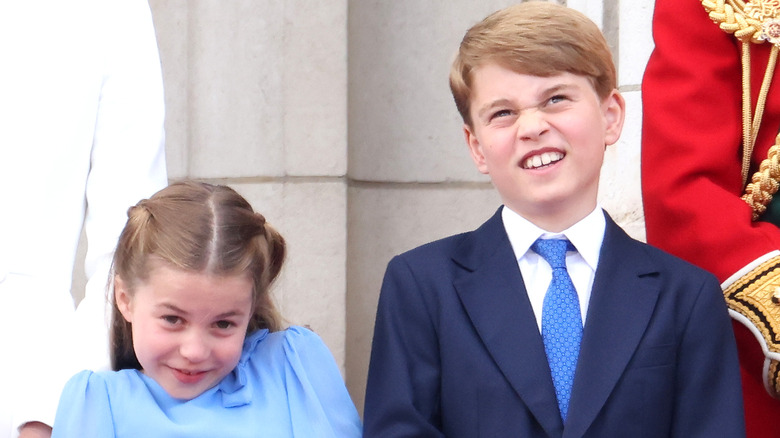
(196, 342)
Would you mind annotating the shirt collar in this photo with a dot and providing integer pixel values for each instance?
(586, 235)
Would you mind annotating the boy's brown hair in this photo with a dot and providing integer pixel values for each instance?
(535, 38)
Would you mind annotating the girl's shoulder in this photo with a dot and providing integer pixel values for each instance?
(297, 336)
(270, 358)
(291, 343)
(112, 383)
(109, 379)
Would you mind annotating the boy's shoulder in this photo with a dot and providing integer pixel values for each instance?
(438, 246)
(667, 259)
(657, 261)
(491, 229)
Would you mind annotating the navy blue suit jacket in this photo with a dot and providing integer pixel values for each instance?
(457, 351)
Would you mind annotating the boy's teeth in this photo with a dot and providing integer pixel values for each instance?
(542, 160)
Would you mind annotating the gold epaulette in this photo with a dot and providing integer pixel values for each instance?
(756, 21)
(756, 298)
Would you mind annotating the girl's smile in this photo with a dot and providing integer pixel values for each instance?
(188, 327)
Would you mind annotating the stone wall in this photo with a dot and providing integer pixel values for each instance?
(334, 118)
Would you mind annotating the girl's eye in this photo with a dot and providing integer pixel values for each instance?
(171, 319)
(224, 324)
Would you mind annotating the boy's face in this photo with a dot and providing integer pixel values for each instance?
(542, 141)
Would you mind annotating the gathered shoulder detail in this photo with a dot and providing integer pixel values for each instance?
(85, 407)
(236, 387)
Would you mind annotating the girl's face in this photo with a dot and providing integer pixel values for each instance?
(188, 327)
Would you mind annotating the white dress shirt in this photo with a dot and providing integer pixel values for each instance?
(81, 140)
(586, 235)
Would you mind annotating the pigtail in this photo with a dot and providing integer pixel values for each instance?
(272, 248)
(130, 254)
(138, 218)
(277, 250)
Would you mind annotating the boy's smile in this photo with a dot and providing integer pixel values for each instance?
(542, 160)
(542, 141)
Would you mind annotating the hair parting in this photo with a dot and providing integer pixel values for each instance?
(201, 228)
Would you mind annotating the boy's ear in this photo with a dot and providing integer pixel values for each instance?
(614, 107)
(124, 301)
(475, 148)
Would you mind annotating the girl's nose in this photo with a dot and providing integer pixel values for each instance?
(194, 347)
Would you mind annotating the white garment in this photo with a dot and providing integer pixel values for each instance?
(587, 235)
(81, 140)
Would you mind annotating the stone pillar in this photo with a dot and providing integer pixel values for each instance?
(256, 94)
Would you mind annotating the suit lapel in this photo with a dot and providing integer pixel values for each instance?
(620, 308)
(493, 294)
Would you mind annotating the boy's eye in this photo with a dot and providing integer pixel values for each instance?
(557, 98)
(501, 113)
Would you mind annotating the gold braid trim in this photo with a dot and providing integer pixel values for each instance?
(773, 376)
(764, 183)
(731, 17)
(753, 22)
(756, 296)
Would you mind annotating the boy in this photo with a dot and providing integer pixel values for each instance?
(469, 342)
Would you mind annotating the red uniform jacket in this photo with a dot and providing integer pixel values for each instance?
(691, 170)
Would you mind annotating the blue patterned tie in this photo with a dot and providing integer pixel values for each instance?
(561, 320)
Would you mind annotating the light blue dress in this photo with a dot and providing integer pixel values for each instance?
(286, 384)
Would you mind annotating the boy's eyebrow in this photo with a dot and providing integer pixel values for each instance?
(557, 88)
(490, 105)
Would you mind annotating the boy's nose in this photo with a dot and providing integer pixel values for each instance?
(194, 347)
(531, 125)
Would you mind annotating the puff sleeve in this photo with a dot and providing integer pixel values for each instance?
(84, 409)
(319, 401)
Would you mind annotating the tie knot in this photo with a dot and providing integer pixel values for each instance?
(553, 250)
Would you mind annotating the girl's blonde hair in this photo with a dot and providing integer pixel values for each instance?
(201, 228)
